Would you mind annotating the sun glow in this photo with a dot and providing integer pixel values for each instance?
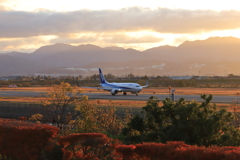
(70, 5)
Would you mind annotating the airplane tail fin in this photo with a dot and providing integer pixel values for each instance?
(102, 78)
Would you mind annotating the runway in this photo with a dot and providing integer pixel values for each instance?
(145, 97)
(140, 97)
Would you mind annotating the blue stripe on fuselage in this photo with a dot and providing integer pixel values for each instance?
(114, 86)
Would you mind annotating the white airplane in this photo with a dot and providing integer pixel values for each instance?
(114, 88)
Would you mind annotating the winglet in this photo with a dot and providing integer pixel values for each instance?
(145, 85)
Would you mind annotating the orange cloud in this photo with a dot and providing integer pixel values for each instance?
(106, 38)
(123, 38)
(2, 8)
(163, 20)
(21, 44)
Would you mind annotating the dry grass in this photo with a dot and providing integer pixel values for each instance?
(29, 89)
(156, 90)
(21, 99)
(119, 103)
(115, 103)
(123, 103)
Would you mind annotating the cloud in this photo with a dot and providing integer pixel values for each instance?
(122, 38)
(22, 44)
(105, 38)
(2, 8)
(74, 40)
(162, 20)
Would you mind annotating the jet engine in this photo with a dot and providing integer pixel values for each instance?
(114, 91)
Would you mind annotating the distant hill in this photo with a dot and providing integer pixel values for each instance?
(114, 48)
(18, 54)
(18, 66)
(86, 54)
(50, 49)
(213, 56)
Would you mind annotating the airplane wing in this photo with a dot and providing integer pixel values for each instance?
(92, 87)
(105, 88)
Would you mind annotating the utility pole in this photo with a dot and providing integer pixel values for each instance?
(173, 97)
(169, 88)
(237, 99)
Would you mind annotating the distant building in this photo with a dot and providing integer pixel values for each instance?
(180, 77)
(14, 78)
(203, 77)
(3, 79)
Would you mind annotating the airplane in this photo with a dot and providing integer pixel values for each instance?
(115, 88)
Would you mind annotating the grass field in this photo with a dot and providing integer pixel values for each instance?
(115, 103)
(156, 90)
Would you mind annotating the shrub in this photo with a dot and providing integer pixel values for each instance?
(176, 150)
(87, 146)
(18, 138)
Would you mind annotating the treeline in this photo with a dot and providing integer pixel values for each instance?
(37, 83)
(207, 83)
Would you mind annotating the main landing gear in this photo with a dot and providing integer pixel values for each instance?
(124, 93)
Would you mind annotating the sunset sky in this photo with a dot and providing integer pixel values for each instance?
(26, 25)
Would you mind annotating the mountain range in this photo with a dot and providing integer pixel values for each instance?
(213, 56)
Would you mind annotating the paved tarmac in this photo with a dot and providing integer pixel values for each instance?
(140, 97)
(19, 94)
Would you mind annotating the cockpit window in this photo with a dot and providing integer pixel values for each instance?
(137, 86)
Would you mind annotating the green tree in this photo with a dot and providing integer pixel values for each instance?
(145, 129)
(191, 122)
(94, 118)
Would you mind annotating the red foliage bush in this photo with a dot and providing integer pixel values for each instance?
(127, 151)
(22, 118)
(176, 150)
(24, 140)
(85, 139)
(21, 140)
(88, 146)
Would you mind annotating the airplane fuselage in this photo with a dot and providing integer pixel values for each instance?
(123, 87)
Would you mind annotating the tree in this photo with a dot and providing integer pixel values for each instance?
(94, 118)
(191, 122)
(196, 123)
(147, 129)
(59, 101)
(94, 77)
(145, 77)
(130, 75)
